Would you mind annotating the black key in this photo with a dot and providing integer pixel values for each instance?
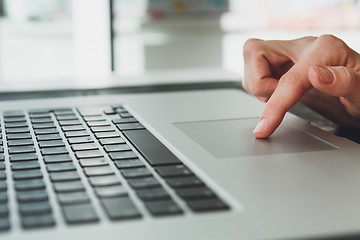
(14, 119)
(94, 118)
(34, 208)
(47, 137)
(60, 167)
(20, 142)
(42, 120)
(117, 106)
(69, 122)
(38, 111)
(130, 126)
(4, 211)
(17, 130)
(4, 224)
(38, 115)
(117, 148)
(110, 191)
(57, 158)
(151, 148)
(213, 204)
(98, 171)
(89, 111)
(134, 163)
(123, 155)
(35, 184)
(124, 120)
(163, 207)
(23, 157)
(184, 182)
(43, 125)
(109, 111)
(54, 150)
(13, 113)
(73, 128)
(140, 183)
(27, 174)
(73, 198)
(108, 141)
(32, 196)
(64, 176)
(16, 124)
(80, 213)
(102, 129)
(93, 162)
(42, 131)
(25, 165)
(103, 181)
(153, 194)
(81, 133)
(72, 186)
(51, 143)
(101, 135)
(195, 193)
(120, 208)
(136, 173)
(43, 220)
(89, 154)
(21, 149)
(77, 140)
(15, 136)
(98, 124)
(84, 146)
(125, 115)
(173, 171)
(62, 111)
(67, 117)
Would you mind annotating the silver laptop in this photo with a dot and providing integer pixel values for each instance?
(170, 165)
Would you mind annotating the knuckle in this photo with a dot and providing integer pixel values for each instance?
(257, 89)
(331, 42)
(252, 46)
(261, 89)
(245, 86)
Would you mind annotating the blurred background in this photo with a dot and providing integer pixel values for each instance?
(56, 42)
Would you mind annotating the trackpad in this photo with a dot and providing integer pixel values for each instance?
(233, 138)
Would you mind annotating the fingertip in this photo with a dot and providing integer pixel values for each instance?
(262, 129)
(263, 99)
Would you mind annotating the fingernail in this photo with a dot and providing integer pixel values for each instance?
(260, 126)
(325, 74)
(263, 99)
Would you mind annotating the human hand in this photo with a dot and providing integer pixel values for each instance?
(282, 73)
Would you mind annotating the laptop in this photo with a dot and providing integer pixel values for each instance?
(170, 165)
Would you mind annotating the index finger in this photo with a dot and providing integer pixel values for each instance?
(290, 89)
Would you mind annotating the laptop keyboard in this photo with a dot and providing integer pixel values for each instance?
(105, 148)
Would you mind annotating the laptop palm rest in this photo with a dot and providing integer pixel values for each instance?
(232, 138)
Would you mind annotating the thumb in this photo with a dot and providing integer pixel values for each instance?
(339, 82)
(336, 81)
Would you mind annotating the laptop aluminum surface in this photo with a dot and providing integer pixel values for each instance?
(300, 183)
